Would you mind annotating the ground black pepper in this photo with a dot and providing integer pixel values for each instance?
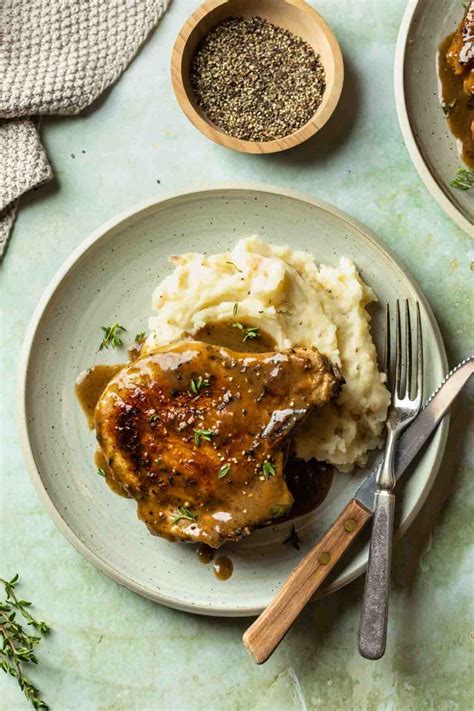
(256, 81)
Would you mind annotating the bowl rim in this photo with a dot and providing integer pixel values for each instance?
(406, 127)
(309, 129)
(113, 224)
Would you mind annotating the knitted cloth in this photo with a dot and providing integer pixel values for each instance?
(57, 57)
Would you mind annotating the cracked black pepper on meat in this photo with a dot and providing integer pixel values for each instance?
(256, 81)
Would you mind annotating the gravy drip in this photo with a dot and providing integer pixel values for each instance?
(205, 553)
(101, 463)
(225, 334)
(223, 567)
(90, 385)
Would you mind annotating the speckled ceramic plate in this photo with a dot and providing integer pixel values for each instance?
(430, 143)
(110, 277)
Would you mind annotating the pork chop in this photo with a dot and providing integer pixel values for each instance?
(198, 435)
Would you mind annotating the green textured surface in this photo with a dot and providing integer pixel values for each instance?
(111, 649)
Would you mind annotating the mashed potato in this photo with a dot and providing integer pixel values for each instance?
(286, 295)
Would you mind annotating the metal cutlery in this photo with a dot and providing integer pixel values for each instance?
(407, 383)
(264, 635)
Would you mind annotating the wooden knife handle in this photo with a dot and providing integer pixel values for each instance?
(262, 638)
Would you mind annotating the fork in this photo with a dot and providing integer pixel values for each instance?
(407, 389)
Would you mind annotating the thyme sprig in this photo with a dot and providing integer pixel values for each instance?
(464, 179)
(447, 108)
(248, 331)
(197, 385)
(278, 511)
(183, 512)
(206, 435)
(224, 470)
(112, 336)
(17, 644)
(235, 267)
(268, 469)
(293, 539)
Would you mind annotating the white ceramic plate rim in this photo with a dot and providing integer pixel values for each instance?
(61, 523)
(406, 129)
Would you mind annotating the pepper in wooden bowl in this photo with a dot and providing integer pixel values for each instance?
(258, 76)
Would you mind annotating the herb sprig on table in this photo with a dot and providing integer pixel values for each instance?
(464, 179)
(17, 643)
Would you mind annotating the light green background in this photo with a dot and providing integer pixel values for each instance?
(110, 649)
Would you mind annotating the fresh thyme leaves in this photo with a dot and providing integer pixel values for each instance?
(293, 539)
(248, 331)
(112, 337)
(268, 469)
(153, 419)
(197, 385)
(447, 108)
(140, 337)
(224, 470)
(206, 435)
(251, 333)
(464, 179)
(235, 267)
(183, 513)
(18, 646)
(100, 471)
(277, 511)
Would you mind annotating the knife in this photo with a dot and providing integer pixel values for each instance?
(264, 635)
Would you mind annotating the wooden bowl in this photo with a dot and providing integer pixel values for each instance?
(294, 15)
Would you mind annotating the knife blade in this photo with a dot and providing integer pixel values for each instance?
(264, 635)
(418, 433)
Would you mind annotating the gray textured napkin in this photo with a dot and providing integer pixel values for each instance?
(57, 57)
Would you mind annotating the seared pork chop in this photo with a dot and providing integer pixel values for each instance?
(197, 434)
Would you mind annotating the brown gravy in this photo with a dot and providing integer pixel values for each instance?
(458, 104)
(224, 334)
(101, 463)
(223, 567)
(309, 482)
(91, 384)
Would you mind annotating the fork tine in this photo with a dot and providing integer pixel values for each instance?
(386, 352)
(398, 351)
(408, 346)
(419, 355)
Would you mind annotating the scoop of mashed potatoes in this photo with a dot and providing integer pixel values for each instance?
(285, 294)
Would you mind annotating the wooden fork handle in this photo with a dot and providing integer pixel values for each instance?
(266, 633)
